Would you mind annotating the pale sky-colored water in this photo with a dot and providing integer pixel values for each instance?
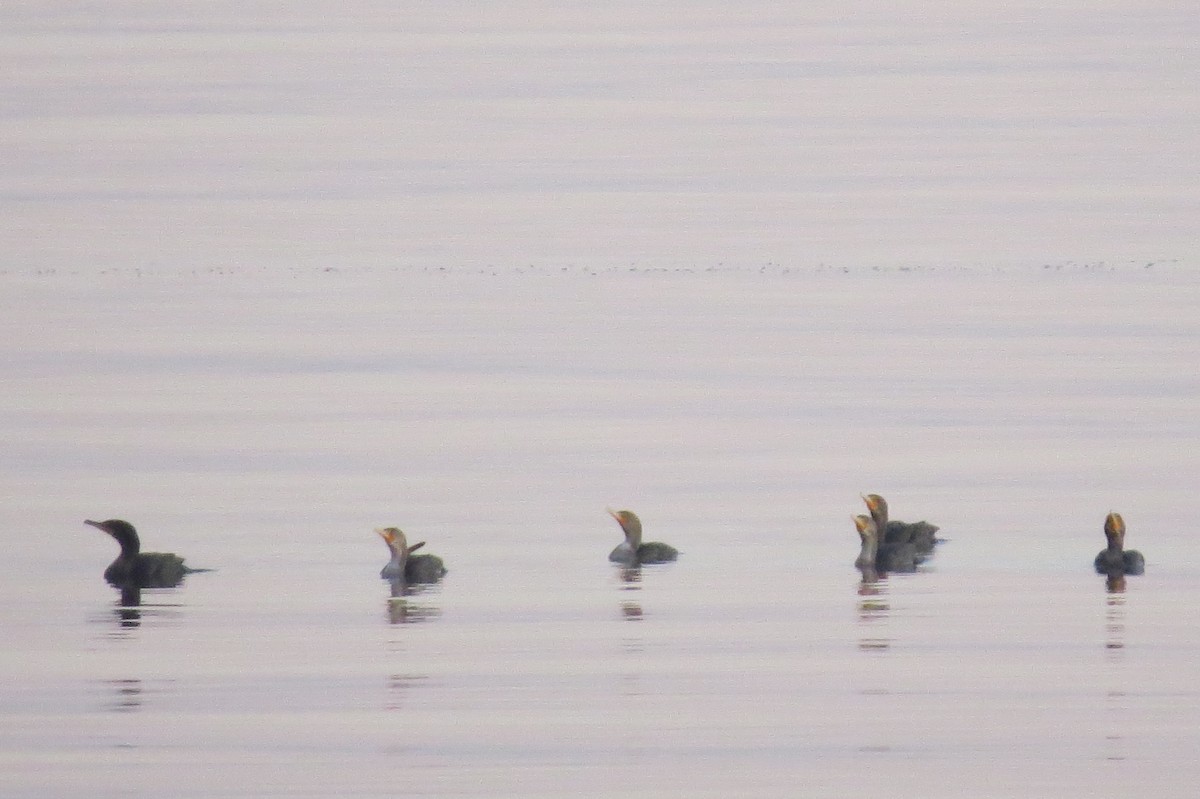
(273, 276)
(436, 134)
(264, 424)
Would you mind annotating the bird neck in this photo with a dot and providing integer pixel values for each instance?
(130, 546)
(870, 548)
(879, 514)
(634, 537)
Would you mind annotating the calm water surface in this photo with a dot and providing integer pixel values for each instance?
(263, 426)
(275, 275)
(446, 133)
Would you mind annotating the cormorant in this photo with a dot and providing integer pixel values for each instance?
(136, 569)
(888, 556)
(404, 565)
(631, 551)
(920, 534)
(1115, 559)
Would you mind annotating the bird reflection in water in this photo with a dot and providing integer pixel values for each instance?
(873, 609)
(398, 686)
(400, 610)
(1114, 613)
(128, 698)
(1115, 700)
(133, 608)
(1114, 583)
(633, 642)
(1116, 744)
(128, 610)
(631, 580)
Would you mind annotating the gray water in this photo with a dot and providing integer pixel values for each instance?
(276, 276)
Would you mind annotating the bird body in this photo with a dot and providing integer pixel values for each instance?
(884, 556)
(424, 569)
(1115, 559)
(406, 566)
(631, 551)
(134, 568)
(922, 535)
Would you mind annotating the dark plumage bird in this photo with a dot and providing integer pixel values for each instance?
(631, 551)
(922, 535)
(1115, 558)
(136, 569)
(886, 556)
(406, 566)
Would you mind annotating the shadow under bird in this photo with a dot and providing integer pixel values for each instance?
(632, 551)
(1115, 558)
(882, 556)
(406, 566)
(136, 569)
(922, 535)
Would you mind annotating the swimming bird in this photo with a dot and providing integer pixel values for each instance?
(404, 565)
(920, 534)
(631, 551)
(1115, 559)
(136, 569)
(886, 556)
